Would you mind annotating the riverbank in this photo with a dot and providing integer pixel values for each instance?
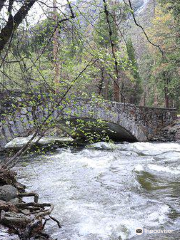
(21, 220)
(170, 133)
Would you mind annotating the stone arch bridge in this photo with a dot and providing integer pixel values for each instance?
(125, 122)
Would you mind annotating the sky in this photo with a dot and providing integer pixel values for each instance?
(38, 10)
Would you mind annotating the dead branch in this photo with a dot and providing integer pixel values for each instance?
(140, 26)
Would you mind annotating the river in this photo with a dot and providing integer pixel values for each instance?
(108, 191)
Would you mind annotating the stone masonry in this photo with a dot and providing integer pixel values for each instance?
(128, 122)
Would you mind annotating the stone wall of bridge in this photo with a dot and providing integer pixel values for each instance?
(149, 120)
(152, 118)
(127, 121)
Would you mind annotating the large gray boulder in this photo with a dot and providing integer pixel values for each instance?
(19, 142)
(8, 192)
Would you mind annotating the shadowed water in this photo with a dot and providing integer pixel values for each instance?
(108, 191)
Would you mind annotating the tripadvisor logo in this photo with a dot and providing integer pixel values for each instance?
(139, 231)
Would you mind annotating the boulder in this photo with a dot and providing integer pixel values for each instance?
(8, 192)
(19, 142)
(14, 201)
(102, 145)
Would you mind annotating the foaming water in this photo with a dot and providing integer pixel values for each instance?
(107, 191)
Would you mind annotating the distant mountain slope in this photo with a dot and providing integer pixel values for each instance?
(144, 17)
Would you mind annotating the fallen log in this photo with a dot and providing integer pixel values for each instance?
(30, 194)
(14, 219)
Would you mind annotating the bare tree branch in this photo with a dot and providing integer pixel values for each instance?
(138, 25)
(116, 84)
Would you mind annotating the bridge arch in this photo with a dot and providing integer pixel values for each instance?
(126, 122)
(121, 125)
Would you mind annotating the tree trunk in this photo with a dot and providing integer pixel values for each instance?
(166, 93)
(116, 82)
(55, 49)
(101, 82)
(106, 89)
(166, 97)
(116, 88)
(13, 23)
(155, 97)
(116, 91)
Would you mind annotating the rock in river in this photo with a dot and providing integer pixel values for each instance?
(19, 142)
(8, 192)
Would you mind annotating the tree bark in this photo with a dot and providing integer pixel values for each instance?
(166, 97)
(100, 87)
(13, 22)
(55, 49)
(116, 87)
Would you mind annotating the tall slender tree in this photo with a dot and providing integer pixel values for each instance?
(55, 48)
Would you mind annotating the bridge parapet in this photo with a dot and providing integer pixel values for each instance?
(152, 117)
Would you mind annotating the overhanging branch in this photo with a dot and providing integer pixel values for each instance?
(13, 23)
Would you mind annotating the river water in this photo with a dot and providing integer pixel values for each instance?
(108, 191)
